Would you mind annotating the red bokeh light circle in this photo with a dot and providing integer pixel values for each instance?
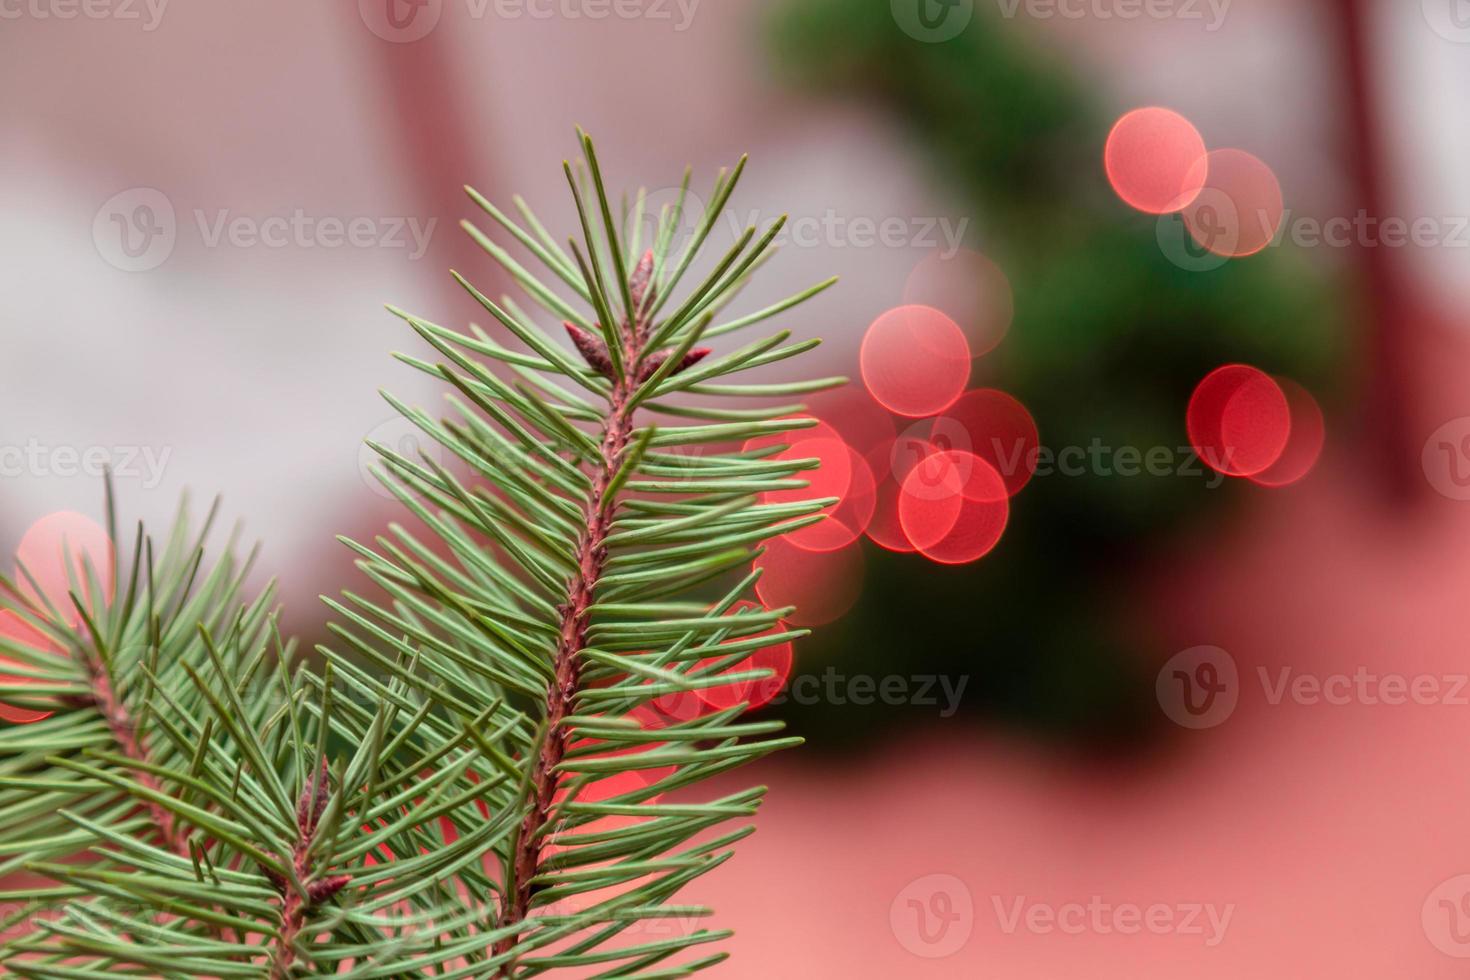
(597, 791)
(922, 438)
(648, 720)
(968, 288)
(851, 414)
(998, 429)
(890, 463)
(845, 521)
(938, 476)
(832, 478)
(1238, 210)
(1152, 159)
(885, 530)
(1238, 420)
(916, 444)
(21, 633)
(1304, 445)
(822, 585)
(680, 705)
(777, 658)
(928, 511)
(914, 360)
(51, 545)
(820, 429)
(602, 789)
(966, 520)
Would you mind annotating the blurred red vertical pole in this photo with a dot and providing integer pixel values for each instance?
(1386, 370)
(422, 107)
(425, 109)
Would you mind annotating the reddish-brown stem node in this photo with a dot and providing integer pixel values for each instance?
(297, 902)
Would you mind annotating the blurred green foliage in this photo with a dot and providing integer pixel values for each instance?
(1108, 340)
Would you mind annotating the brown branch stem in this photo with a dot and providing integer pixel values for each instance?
(134, 745)
(293, 917)
(590, 557)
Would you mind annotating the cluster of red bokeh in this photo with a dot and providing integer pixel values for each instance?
(1229, 200)
(1245, 423)
(1241, 421)
(916, 462)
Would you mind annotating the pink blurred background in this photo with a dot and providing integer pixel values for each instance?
(1322, 836)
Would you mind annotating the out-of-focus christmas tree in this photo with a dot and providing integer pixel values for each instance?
(1109, 337)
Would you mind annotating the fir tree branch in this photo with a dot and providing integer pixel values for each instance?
(133, 743)
(590, 558)
(150, 630)
(498, 810)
